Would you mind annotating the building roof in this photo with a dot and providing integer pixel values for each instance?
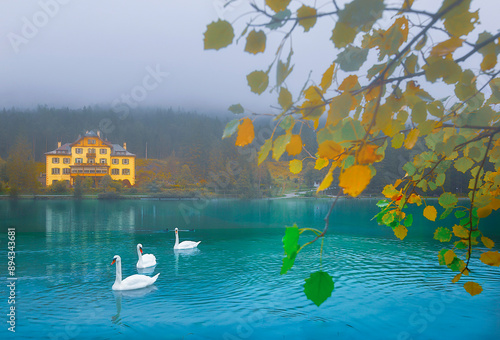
(117, 150)
(64, 149)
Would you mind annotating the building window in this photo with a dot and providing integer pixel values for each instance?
(55, 160)
(90, 160)
(56, 171)
(115, 171)
(91, 151)
(125, 161)
(78, 160)
(66, 171)
(102, 160)
(115, 161)
(79, 150)
(66, 160)
(126, 172)
(103, 151)
(91, 141)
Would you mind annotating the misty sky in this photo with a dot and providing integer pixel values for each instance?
(93, 52)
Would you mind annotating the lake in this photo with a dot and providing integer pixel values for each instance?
(231, 287)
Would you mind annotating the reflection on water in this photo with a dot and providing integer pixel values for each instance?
(231, 287)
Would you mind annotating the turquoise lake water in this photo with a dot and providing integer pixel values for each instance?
(231, 288)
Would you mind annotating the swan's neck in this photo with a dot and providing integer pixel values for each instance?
(118, 272)
(139, 254)
(176, 239)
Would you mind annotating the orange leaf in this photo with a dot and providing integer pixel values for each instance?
(449, 256)
(245, 133)
(372, 93)
(491, 258)
(294, 147)
(329, 149)
(446, 47)
(414, 198)
(484, 212)
(488, 243)
(473, 288)
(412, 138)
(430, 213)
(456, 278)
(494, 204)
(348, 83)
(366, 154)
(355, 179)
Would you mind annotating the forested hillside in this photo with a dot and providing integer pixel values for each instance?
(184, 150)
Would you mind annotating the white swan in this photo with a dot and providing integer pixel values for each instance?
(184, 244)
(145, 260)
(132, 282)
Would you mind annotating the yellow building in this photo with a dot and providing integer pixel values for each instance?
(90, 156)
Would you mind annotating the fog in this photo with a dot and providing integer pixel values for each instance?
(147, 53)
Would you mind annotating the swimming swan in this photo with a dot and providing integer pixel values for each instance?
(145, 260)
(184, 244)
(132, 282)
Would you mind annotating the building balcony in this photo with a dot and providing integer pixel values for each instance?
(91, 154)
(89, 169)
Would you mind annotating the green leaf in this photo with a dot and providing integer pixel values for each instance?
(445, 213)
(309, 14)
(285, 99)
(291, 240)
(408, 220)
(236, 109)
(362, 14)
(218, 35)
(383, 203)
(442, 234)
(460, 213)
(397, 140)
(258, 81)
(231, 128)
(410, 168)
(279, 19)
(445, 68)
(419, 112)
(441, 256)
(287, 122)
(280, 145)
(283, 71)
(264, 151)
(256, 42)
(288, 262)
(463, 164)
(318, 287)
(343, 34)
(459, 21)
(351, 58)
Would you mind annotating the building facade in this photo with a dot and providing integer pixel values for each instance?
(90, 156)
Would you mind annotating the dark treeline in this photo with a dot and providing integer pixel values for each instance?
(186, 140)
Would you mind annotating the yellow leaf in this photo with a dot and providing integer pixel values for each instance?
(372, 93)
(326, 80)
(295, 166)
(494, 204)
(256, 42)
(295, 146)
(449, 256)
(446, 47)
(456, 278)
(411, 139)
(367, 155)
(245, 133)
(430, 213)
(414, 198)
(329, 149)
(285, 99)
(460, 231)
(325, 183)
(349, 83)
(278, 5)
(355, 179)
(459, 21)
(309, 17)
(488, 243)
(484, 212)
(218, 35)
(491, 258)
(473, 288)
(400, 231)
(390, 192)
(321, 163)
